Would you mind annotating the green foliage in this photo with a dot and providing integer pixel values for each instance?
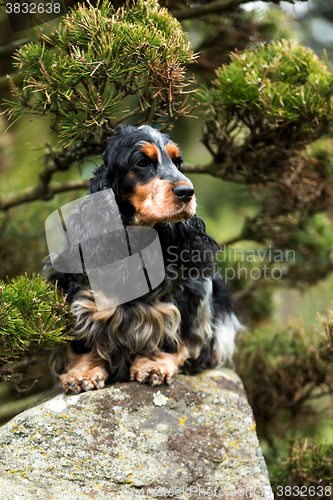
(277, 25)
(309, 465)
(322, 150)
(23, 242)
(316, 238)
(308, 236)
(259, 303)
(83, 73)
(266, 105)
(293, 216)
(281, 82)
(33, 316)
(282, 368)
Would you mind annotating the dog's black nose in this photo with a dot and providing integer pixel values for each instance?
(183, 192)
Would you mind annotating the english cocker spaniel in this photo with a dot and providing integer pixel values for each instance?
(188, 321)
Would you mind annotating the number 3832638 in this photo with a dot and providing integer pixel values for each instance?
(33, 8)
(304, 491)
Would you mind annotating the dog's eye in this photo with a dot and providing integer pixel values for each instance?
(143, 163)
(178, 162)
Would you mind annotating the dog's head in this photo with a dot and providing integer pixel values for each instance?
(142, 166)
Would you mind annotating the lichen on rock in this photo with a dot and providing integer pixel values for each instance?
(116, 443)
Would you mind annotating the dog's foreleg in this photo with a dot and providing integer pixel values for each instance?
(84, 373)
(159, 368)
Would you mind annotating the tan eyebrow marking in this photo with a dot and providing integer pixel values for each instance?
(172, 150)
(150, 150)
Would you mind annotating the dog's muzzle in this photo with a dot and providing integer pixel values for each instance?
(184, 193)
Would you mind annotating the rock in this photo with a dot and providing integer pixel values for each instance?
(193, 439)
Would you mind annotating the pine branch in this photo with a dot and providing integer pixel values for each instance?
(290, 362)
(215, 8)
(9, 369)
(216, 169)
(9, 49)
(34, 316)
(55, 161)
(190, 168)
(232, 241)
(265, 107)
(82, 75)
(34, 193)
(210, 8)
(17, 78)
(45, 190)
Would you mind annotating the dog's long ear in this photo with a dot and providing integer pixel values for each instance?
(103, 179)
(192, 240)
(105, 176)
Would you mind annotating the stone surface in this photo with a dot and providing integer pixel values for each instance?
(193, 439)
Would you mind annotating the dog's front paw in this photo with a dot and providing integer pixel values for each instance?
(155, 371)
(75, 381)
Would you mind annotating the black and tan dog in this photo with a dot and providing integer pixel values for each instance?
(189, 320)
